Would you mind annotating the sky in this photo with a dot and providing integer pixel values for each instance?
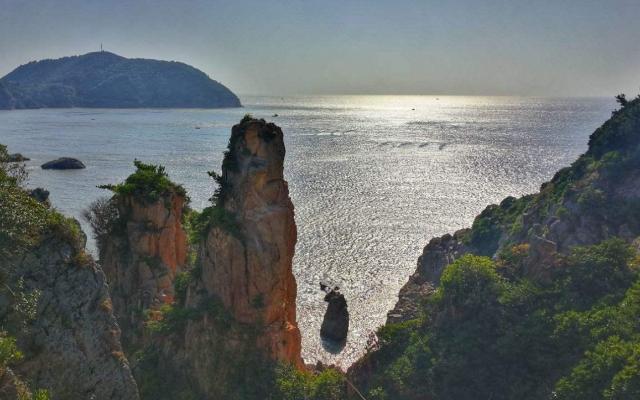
(433, 47)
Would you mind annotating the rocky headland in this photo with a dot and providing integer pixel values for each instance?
(107, 80)
(522, 304)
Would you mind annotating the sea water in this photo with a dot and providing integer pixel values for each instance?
(372, 178)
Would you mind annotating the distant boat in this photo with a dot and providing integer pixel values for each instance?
(275, 115)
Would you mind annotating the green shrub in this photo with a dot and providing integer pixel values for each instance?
(174, 319)
(468, 280)
(594, 272)
(484, 336)
(9, 352)
(610, 371)
(496, 220)
(592, 199)
(620, 133)
(292, 384)
(181, 285)
(103, 216)
(199, 224)
(149, 182)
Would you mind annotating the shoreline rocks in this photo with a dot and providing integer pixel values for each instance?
(17, 157)
(40, 194)
(436, 255)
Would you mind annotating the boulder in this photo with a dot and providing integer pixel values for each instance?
(17, 157)
(335, 324)
(64, 163)
(40, 194)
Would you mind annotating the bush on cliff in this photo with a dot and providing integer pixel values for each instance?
(103, 216)
(485, 336)
(149, 182)
(292, 384)
(24, 224)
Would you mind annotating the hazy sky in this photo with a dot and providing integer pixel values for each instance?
(522, 47)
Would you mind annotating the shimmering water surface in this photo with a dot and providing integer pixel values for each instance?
(372, 177)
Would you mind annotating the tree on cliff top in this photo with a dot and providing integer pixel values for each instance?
(149, 182)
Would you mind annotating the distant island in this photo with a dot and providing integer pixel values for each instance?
(107, 80)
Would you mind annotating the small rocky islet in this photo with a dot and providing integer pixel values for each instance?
(187, 304)
(335, 324)
(63, 163)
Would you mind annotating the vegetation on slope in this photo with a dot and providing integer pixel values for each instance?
(586, 188)
(484, 336)
(148, 183)
(106, 80)
(524, 326)
(25, 224)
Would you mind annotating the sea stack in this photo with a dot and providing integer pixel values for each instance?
(216, 304)
(335, 325)
(247, 263)
(142, 255)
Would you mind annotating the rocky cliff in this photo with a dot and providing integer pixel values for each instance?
(437, 254)
(213, 323)
(144, 252)
(533, 301)
(72, 345)
(240, 298)
(594, 199)
(54, 303)
(248, 263)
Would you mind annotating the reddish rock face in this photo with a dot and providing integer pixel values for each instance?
(250, 269)
(141, 263)
(241, 294)
(156, 230)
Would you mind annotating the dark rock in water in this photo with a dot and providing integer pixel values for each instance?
(107, 80)
(39, 194)
(17, 157)
(335, 325)
(64, 163)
